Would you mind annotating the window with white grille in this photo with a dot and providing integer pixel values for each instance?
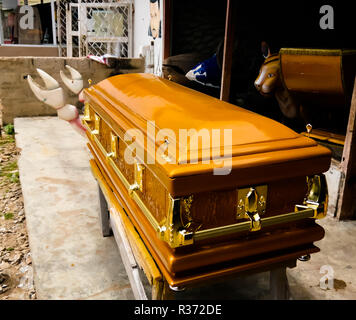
(95, 27)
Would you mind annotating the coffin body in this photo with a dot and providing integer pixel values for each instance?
(198, 216)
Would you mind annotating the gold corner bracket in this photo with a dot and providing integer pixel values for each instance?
(317, 197)
(172, 230)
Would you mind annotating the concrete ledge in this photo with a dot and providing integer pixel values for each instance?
(17, 99)
(28, 50)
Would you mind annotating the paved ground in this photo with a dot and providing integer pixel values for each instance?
(72, 261)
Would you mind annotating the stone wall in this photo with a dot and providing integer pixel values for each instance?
(16, 97)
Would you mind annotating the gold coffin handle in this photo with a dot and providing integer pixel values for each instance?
(251, 203)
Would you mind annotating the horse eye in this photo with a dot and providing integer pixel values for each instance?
(270, 75)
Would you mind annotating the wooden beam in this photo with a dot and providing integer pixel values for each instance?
(167, 28)
(346, 207)
(228, 49)
(279, 287)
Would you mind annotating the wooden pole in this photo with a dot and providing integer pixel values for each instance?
(279, 287)
(54, 33)
(167, 28)
(228, 49)
(346, 207)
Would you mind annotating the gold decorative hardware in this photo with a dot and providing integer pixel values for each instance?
(317, 195)
(302, 213)
(138, 173)
(172, 231)
(241, 205)
(133, 188)
(87, 116)
(255, 222)
(114, 142)
(251, 204)
(134, 196)
(309, 128)
(165, 155)
(185, 215)
(262, 202)
(139, 168)
(89, 83)
(187, 203)
(251, 200)
(96, 124)
(114, 145)
(178, 236)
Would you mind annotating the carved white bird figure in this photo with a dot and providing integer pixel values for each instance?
(53, 95)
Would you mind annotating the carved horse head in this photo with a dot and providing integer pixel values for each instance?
(53, 95)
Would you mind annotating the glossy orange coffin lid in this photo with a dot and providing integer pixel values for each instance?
(130, 100)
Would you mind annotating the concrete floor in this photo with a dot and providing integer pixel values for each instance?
(73, 261)
(70, 257)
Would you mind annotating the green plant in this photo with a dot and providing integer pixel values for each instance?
(10, 166)
(14, 178)
(6, 140)
(8, 215)
(10, 171)
(9, 129)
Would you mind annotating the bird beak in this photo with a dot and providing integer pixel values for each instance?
(52, 94)
(75, 82)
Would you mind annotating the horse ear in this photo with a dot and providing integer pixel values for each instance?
(266, 52)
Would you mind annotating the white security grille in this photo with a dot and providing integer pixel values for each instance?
(95, 27)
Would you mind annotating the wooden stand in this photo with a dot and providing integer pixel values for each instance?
(279, 284)
(135, 256)
(346, 207)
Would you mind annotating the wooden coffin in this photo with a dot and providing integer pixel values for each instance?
(196, 223)
(319, 77)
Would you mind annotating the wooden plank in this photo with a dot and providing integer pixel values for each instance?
(127, 258)
(126, 253)
(228, 50)
(104, 217)
(157, 290)
(347, 200)
(132, 250)
(167, 28)
(141, 254)
(279, 284)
